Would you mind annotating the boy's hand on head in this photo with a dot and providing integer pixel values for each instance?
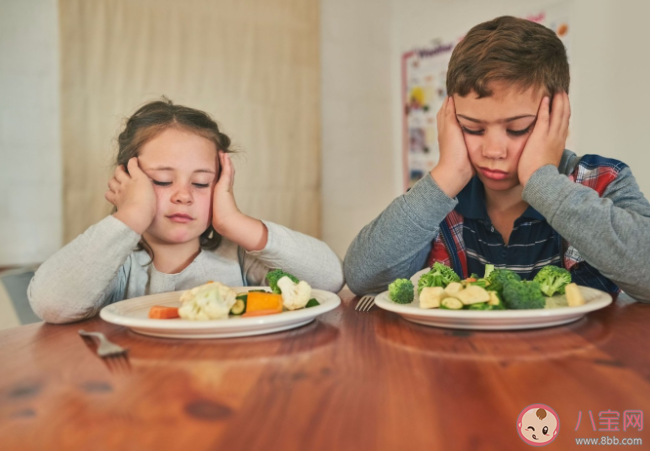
(548, 139)
(454, 169)
(224, 207)
(133, 194)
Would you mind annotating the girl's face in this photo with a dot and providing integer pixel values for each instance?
(496, 129)
(183, 168)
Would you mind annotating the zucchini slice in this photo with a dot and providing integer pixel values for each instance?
(240, 305)
(451, 304)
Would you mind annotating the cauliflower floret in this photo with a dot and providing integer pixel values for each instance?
(205, 302)
(294, 295)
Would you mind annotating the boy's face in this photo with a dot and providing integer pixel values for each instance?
(496, 129)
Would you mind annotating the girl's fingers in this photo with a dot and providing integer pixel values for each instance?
(110, 196)
(134, 167)
(227, 173)
(232, 172)
(113, 184)
(120, 174)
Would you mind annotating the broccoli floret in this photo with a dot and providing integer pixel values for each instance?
(553, 279)
(401, 291)
(524, 294)
(439, 276)
(277, 274)
(499, 277)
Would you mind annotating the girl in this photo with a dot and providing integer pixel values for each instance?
(176, 225)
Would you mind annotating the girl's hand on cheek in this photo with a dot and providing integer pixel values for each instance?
(547, 142)
(133, 194)
(454, 169)
(224, 207)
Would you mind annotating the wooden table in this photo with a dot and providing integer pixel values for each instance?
(348, 381)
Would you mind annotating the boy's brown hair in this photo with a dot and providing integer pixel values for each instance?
(508, 49)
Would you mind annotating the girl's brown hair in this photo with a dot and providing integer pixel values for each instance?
(508, 49)
(152, 119)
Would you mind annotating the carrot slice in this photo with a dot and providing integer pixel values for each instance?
(162, 312)
(263, 301)
(262, 312)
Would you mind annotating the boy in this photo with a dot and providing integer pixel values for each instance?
(505, 191)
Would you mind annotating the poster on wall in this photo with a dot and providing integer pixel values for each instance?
(424, 77)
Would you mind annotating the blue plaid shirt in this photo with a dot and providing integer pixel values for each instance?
(533, 243)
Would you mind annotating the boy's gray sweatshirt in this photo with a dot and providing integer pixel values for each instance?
(612, 232)
(100, 267)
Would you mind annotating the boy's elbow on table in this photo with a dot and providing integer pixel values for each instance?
(358, 283)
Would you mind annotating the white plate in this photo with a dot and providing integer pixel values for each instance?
(496, 319)
(133, 313)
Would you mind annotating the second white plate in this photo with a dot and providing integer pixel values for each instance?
(496, 319)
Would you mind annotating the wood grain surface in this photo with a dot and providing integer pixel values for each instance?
(348, 381)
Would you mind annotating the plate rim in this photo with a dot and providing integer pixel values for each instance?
(179, 325)
(383, 301)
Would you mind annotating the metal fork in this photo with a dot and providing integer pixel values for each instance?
(365, 303)
(105, 348)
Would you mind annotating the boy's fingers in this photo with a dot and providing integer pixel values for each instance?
(451, 109)
(559, 113)
(543, 116)
(442, 111)
(567, 108)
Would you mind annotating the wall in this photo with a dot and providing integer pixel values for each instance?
(359, 161)
(30, 151)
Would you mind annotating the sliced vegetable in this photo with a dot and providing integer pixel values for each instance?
(453, 288)
(263, 301)
(261, 313)
(495, 301)
(451, 304)
(163, 312)
(573, 295)
(480, 306)
(430, 297)
(240, 305)
(473, 295)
